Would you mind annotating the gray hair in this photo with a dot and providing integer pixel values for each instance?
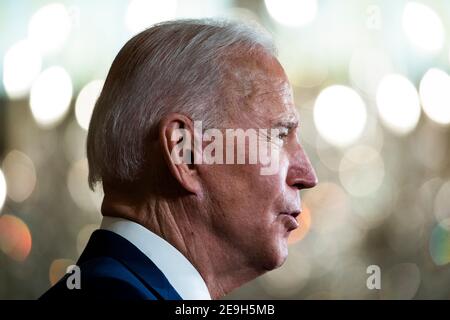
(175, 66)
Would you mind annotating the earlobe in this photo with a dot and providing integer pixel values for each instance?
(176, 134)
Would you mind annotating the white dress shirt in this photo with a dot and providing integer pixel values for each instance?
(181, 274)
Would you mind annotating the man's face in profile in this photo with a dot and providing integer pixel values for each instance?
(254, 213)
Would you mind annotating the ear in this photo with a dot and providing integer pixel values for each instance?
(176, 137)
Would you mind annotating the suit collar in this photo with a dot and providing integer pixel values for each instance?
(107, 243)
(177, 269)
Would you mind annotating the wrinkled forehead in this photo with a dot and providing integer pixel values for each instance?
(274, 103)
(264, 94)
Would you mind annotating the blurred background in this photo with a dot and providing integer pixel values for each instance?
(372, 86)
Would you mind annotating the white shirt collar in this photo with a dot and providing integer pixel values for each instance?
(181, 274)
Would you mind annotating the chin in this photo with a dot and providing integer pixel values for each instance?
(277, 256)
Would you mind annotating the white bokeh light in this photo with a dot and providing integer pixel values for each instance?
(293, 13)
(86, 101)
(141, 14)
(21, 65)
(50, 27)
(423, 27)
(434, 93)
(20, 173)
(398, 104)
(339, 115)
(50, 96)
(2, 189)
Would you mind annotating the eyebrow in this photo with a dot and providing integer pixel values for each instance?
(289, 121)
(289, 124)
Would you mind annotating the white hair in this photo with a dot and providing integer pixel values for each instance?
(175, 66)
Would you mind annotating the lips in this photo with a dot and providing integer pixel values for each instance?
(295, 213)
(291, 219)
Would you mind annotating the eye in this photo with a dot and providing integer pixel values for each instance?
(283, 134)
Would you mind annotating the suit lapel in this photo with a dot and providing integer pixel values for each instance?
(110, 244)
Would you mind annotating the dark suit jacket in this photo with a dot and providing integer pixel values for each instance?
(113, 268)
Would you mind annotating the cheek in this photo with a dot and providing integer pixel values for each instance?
(232, 189)
(276, 182)
(242, 188)
(265, 191)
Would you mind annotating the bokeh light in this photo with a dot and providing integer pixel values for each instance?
(293, 13)
(371, 71)
(15, 237)
(398, 104)
(20, 175)
(58, 269)
(21, 65)
(141, 14)
(339, 115)
(435, 95)
(50, 27)
(440, 243)
(423, 27)
(86, 101)
(50, 96)
(304, 221)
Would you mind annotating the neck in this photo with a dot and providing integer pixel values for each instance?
(220, 265)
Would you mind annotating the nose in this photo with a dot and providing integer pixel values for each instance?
(301, 174)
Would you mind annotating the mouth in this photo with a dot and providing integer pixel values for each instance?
(290, 219)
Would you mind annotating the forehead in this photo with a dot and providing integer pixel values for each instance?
(264, 94)
(272, 102)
